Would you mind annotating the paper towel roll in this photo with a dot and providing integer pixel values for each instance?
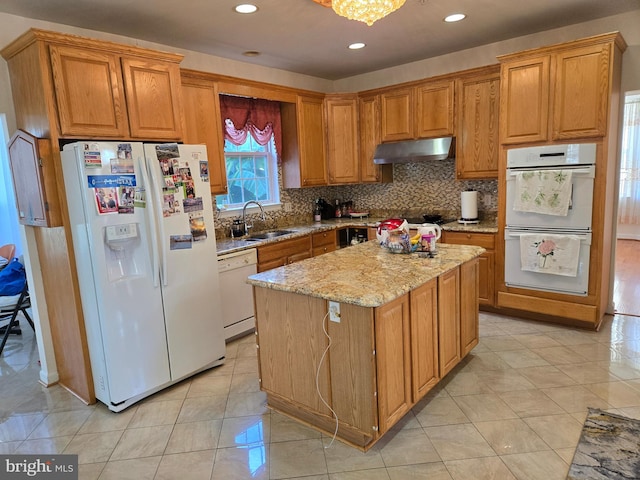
(469, 205)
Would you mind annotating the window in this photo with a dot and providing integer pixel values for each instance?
(252, 174)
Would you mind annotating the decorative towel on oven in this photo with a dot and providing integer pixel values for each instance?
(543, 191)
(554, 254)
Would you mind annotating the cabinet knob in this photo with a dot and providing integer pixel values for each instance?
(468, 235)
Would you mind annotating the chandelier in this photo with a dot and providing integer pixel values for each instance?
(367, 11)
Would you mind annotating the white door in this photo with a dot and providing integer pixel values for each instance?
(188, 257)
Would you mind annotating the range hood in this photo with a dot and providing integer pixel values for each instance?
(415, 151)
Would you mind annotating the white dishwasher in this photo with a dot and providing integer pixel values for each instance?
(235, 293)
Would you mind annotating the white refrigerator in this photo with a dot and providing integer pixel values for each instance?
(145, 253)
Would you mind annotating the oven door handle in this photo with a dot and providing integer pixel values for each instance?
(576, 171)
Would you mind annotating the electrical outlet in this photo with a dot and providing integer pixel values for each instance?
(334, 312)
(288, 207)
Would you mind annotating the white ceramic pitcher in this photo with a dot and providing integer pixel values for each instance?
(430, 228)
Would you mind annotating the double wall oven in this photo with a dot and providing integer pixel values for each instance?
(549, 237)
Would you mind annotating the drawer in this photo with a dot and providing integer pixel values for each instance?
(485, 240)
(284, 249)
(323, 238)
(324, 249)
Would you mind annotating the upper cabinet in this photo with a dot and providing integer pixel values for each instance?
(477, 141)
(341, 113)
(303, 143)
(203, 124)
(97, 89)
(557, 93)
(34, 180)
(369, 139)
(422, 111)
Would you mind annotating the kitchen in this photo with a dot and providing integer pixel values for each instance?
(367, 197)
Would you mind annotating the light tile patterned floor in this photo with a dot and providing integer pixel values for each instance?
(513, 409)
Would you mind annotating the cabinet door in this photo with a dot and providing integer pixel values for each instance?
(580, 104)
(393, 361)
(424, 338)
(469, 327)
(153, 99)
(449, 320)
(89, 92)
(435, 110)
(397, 117)
(477, 140)
(369, 135)
(310, 136)
(34, 180)
(342, 139)
(203, 125)
(486, 275)
(524, 100)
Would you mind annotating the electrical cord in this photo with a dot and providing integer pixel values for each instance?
(324, 354)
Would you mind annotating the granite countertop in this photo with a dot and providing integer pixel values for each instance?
(364, 274)
(230, 245)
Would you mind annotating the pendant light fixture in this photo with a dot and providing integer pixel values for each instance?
(367, 11)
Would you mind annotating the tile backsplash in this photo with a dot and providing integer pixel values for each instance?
(417, 188)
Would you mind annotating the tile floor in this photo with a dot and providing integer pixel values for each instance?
(513, 409)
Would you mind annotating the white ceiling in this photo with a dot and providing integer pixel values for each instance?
(304, 37)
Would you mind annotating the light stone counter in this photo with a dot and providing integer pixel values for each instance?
(366, 274)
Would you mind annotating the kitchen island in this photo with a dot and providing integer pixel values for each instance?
(361, 334)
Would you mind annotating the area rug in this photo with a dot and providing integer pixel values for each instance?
(609, 448)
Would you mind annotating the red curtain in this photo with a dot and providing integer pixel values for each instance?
(259, 118)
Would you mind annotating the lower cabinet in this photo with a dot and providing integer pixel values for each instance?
(381, 361)
(323, 242)
(284, 252)
(486, 266)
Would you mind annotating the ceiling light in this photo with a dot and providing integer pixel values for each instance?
(245, 8)
(455, 17)
(357, 46)
(367, 11)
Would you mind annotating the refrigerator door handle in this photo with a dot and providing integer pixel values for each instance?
(142, 167)
(157, 199)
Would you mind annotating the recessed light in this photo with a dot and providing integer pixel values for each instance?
(456, 17)
(250, 53)
(357, 46)
(245, 8)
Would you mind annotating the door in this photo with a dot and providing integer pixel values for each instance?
(114, 251)
(187, 245)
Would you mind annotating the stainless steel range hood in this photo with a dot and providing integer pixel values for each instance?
(415, 151)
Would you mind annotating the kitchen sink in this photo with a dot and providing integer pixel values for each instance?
(267, 235)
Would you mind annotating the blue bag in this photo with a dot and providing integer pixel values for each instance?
(12, 278)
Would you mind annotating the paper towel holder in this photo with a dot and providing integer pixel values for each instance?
(469, 207)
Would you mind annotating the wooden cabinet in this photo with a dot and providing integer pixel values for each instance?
(422, 111)
(369, 135)
(559, 92)
(283, 252)
(34, 180)
(153, 98)
(203, 124)
(434, 110)
(477, 140)
(393, 361)
(341, 114)
(524, 100)
(449, 351)
(424, 338)
(303, 156)
(89, 93)
(469, 324)
(99, 89)
(486, 261)
(397, 115)
(580, 101)
(323, 242)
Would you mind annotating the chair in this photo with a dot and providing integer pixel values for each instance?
(10, 307)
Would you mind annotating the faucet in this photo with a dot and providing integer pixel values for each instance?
(244, 215)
